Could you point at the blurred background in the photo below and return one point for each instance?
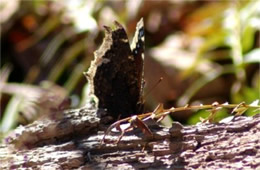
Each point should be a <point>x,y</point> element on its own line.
<point>206,51</point>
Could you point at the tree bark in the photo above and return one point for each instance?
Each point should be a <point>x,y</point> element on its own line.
<point>74,141</point>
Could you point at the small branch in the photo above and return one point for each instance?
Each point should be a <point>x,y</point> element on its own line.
<point>159,113</point>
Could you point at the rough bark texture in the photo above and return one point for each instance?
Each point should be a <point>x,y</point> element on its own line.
<point>73,141</point>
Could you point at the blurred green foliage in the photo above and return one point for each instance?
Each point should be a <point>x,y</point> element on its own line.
<point>51,43</point>
<point>205,114</point>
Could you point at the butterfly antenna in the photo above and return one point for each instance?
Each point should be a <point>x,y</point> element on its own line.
<point>152,88</point>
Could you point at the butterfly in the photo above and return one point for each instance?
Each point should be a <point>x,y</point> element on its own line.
<point>116,75</point>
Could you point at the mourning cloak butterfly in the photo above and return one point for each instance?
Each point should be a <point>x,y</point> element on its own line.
<point>116,74</point>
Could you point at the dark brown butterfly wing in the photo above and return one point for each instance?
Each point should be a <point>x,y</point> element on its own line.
<point>116,74</point>
<point>137,47</point>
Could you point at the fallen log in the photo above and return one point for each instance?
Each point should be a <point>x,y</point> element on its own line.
<point>74,141</point>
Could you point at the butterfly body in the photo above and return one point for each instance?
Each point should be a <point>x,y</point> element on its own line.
<point>116,74</point>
